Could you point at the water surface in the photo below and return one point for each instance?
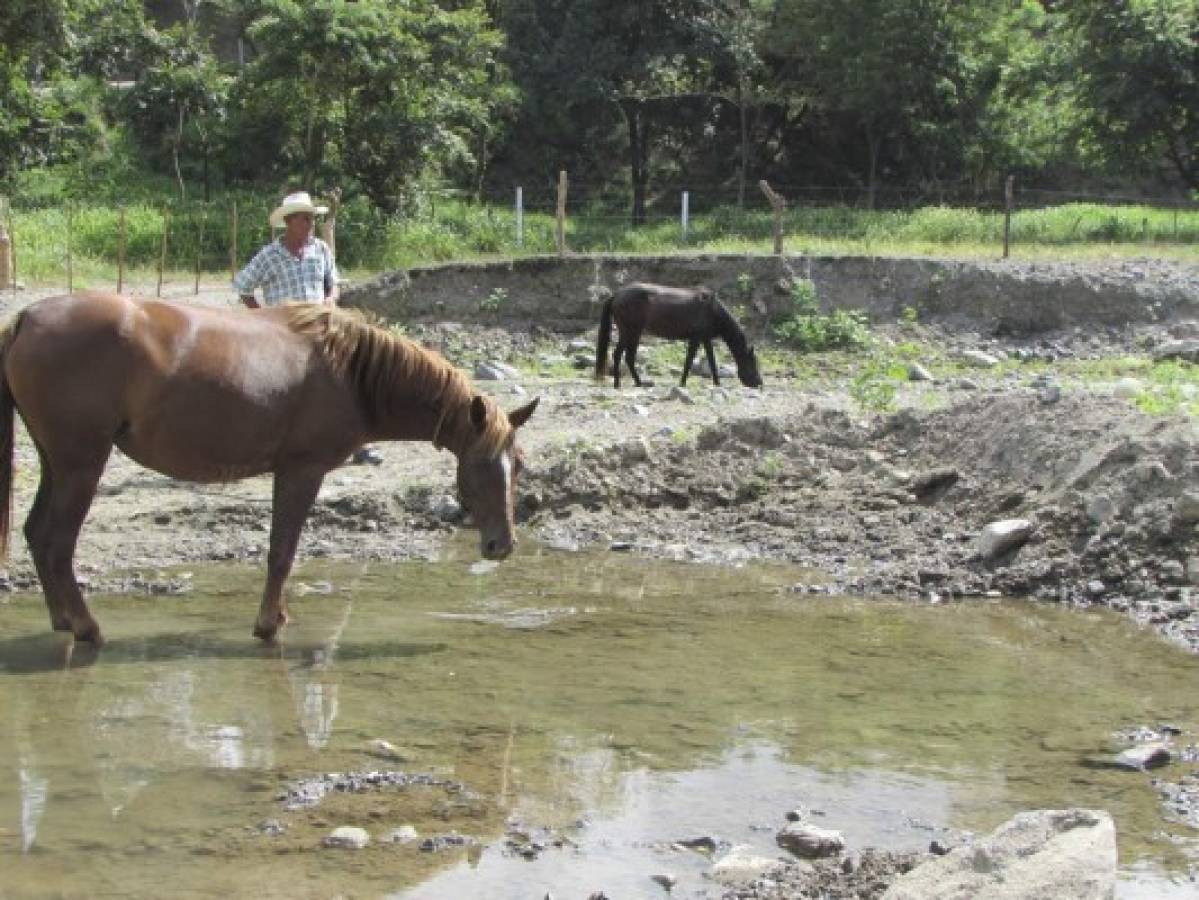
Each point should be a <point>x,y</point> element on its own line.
<point>612,703</point>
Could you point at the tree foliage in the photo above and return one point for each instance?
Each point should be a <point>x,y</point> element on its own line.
<point>936,97</point>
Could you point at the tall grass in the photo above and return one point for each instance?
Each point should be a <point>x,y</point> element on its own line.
<point>369,240</point>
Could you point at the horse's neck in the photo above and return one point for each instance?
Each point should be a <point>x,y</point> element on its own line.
<point>729,330</point>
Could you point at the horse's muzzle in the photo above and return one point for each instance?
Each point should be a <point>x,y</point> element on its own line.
<point>497,548</point>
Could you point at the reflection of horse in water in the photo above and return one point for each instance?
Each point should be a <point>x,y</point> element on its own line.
<point>691,314</point>
<point>208,394</point>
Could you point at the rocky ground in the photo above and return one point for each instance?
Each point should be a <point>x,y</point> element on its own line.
<point>1024,473</point>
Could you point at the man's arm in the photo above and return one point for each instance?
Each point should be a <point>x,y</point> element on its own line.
<point>249,278</point>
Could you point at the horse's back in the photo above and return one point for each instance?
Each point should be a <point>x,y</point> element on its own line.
<point>668,312</point>
<point>196,392</point>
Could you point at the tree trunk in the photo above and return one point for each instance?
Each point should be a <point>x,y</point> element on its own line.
<point>743,170</point>
<point>634,114</point>
<point>873,143</point>
<point>176,145</point>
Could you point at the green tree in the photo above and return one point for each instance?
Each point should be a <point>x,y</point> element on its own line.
<point>391,92</point>
<point>1138,67</point>
<point>885,73</point>
<point>178,101</point>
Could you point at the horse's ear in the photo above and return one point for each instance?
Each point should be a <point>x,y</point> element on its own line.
<point>521,415</point>
<point>478,412</point>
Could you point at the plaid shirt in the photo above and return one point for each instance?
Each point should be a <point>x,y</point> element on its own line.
<point>282,277</point>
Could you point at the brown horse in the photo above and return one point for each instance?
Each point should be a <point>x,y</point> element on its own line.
<point>690,314</point>
<point>207,395</point>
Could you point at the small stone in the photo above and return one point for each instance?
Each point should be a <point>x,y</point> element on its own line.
<point>979,359</point>
<point>1186,508</point>
<point>405,834</point>
<point>1127,388</point>
<point>810,841</point>
<point>998,538</point>
<point>1146,756</point>
<point>680,393</point>
<point>665,879</point>
<point>348,837</point>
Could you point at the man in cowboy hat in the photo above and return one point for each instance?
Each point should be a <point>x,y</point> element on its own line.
<point>297,266</point>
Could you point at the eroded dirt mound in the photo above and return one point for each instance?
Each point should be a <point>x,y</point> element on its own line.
<point>897,505</point>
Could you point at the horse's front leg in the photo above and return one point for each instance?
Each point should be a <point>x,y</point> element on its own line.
<point>712,362</point>
<point>692,349</point>
<point>294,493</point>
<point>53,533</point>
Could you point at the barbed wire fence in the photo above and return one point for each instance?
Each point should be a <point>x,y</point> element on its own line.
<point>170,242</point>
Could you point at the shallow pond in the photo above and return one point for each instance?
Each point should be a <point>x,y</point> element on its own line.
<point>603,705</point>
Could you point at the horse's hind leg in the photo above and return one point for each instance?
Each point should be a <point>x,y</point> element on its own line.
<point>293,493</point>
<point>692,349</point>
<point>68,501</point>
<point>616,354</point>
<point>630,356</point>
<point>712,362</point>
<point>36,536</point>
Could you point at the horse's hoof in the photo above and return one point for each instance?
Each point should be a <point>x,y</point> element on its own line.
<point>266,634</point>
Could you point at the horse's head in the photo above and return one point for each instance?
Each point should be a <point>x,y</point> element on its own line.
<point>487,478</point>
<point>747,368</point>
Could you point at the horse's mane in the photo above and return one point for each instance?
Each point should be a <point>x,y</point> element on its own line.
<point>390,372</point>
<point>728,329</point>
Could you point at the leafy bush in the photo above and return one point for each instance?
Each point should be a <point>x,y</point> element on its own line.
<point>806,328</point>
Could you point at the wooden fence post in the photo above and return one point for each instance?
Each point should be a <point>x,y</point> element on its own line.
<point>200,247</point>
<point>70,272</point>
<point>233,242</point>
<point>162,256</point>
<point>562,213</point>
<point>6,244</point>
<point>329,226</point>
<point>778,204</point>
<point>121,239</point>
<point>12,249</point>
<point>520,217</point>
<point>685,213</point>
<point>1007,213</point>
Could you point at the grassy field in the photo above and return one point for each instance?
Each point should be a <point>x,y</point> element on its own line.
<point>369,242</point>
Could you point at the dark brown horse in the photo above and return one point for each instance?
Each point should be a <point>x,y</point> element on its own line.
<point>693,315</point>
<point>208,395</point>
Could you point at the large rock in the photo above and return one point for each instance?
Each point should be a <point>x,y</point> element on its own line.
<point>1048,854</point>
<point>998,538</point>
<point>810,841</point>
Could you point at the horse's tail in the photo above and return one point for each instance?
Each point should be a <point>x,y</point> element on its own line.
<point>604,339</point>
<point>7,333</point>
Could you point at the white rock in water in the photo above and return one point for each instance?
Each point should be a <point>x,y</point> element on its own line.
<point>1049,853</point>
<point>348,837</point>
<point>809,841</point>
<point>999,537</point>
<point>741,864</point>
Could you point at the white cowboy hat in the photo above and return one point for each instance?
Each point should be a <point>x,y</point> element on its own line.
<point>294,203</point>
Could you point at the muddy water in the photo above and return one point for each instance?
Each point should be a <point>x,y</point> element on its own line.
<point>604,705</point>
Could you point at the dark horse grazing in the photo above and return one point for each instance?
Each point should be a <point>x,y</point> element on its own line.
<point>208,395</point>
<point>690,314</point>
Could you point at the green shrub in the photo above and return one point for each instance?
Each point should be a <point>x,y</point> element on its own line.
<point>806,328</point>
